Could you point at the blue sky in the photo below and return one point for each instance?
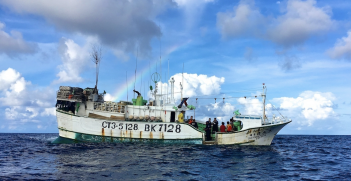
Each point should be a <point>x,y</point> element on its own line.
<point>300,49</point>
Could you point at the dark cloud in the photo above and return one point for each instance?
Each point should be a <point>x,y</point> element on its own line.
<point>299,21</point>
<point>13,44</point>
<point>249,54</point>
<point>122,25</point>
<point>290,63</point>
<point>342,48</point>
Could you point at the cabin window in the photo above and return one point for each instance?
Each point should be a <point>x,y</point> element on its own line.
<point>172,117</point>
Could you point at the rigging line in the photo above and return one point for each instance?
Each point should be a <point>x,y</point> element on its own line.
<point>223,97</point>
<point>170,93</point>
<point>249,103</point>
<point>211,95</point>
<point>243,91</point>
<point>127,85</point>
<point>276,110</point>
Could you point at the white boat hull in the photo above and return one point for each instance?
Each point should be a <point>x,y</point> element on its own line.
<point>99,130</point>
<point>263,135</point>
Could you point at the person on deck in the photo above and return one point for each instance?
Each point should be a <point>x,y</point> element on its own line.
<point>190,120</point>
<point>222,128</point>
<point>229,127</point>
<point>231,122</point>
<point>215,126</point>
<point>208,131</point>
<point>181,117</point>
<point>194,123</point>
<point>210,123</point>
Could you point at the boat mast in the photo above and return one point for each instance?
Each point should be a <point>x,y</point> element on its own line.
<point>264,103</point>
<point>172,89</point>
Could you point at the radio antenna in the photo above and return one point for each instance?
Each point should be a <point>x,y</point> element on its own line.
<point>160,65</point>
<point>127,85</point>
<point>97,56</point>
<point>167,80</point>
<point>136,66</point>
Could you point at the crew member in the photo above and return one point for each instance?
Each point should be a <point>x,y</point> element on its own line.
<point>229,127</point>
<point>194,123</point>
<point>181,117</point>
<point>209,121</point>
<point>208,130</point>
<point>190,120</point>
<point>222,128</point>
<point>215,126</point>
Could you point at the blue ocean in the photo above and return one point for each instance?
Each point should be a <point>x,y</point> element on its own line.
<point>33,156</point>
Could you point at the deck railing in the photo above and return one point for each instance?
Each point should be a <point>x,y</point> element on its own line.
<point>110,107</point>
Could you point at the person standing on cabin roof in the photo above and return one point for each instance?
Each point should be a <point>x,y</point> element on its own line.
<point>181,117</point>
<point>190,120</point>
<point>229,127</point>
<point>194,123</point>
<point>215,126</point>
<point>222,128</point>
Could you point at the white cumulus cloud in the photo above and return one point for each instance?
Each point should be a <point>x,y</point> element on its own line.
<point>309,107</point>
<point>194,84</point>
<point>22,102</point>
<point>108,97</point>
<point>75,59</point>
<point>251,106</point>
<point>8,78</point>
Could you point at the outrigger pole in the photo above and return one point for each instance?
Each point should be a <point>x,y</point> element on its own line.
<point>181,85</point>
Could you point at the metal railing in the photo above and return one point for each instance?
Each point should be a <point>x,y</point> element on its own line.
<point>274,120</point>
<point>110,107</point>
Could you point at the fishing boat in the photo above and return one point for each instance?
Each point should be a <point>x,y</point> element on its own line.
<point>83,115</point>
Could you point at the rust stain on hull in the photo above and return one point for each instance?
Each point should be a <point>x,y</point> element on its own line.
<point>111,136</point>
<point>103,134</point>
<point>140,134</point>
<point>151,136</point>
